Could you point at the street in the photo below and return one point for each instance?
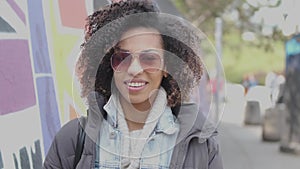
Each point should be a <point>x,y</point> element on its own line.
<point>242,146</point>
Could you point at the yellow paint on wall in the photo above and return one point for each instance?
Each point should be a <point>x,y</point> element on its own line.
<point>62,45</point>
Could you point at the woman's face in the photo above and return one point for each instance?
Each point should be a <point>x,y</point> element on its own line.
<point>138,66</point>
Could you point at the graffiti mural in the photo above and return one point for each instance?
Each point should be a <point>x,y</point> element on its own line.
<point>39,45</point>
<point>24,161</point>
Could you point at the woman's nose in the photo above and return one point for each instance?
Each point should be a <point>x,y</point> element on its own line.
<point>135,67</point>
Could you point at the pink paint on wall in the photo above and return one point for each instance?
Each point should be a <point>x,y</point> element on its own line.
<point>17,9</point>
<point>16,79</point>
<point>73,13</point>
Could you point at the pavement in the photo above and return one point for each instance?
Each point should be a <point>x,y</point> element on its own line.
<point>242,146</point>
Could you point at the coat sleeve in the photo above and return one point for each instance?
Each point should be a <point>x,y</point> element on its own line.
<point>200,155</point>
<point>62,151</point>
<point>214,156</point>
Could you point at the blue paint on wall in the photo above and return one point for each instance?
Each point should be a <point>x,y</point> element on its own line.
<point>38,37</point>
<point>48,110</point>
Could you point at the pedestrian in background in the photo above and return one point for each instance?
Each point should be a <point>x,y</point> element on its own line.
<point>136,79</point>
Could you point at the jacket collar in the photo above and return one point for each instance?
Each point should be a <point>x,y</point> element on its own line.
<point>193,123</point>
<point>95,115</point>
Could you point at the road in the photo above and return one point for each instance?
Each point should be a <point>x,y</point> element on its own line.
<point>242,146</point>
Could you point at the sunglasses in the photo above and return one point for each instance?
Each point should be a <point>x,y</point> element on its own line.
<point>150,60</point>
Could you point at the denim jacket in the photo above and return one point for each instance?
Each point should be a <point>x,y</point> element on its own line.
<point>156,153</point>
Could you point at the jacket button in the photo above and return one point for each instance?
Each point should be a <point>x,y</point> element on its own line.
<point>112,135</point>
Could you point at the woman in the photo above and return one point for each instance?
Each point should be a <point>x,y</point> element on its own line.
<point>136,72</point>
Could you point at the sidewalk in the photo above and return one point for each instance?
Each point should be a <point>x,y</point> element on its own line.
<point>242,148</point>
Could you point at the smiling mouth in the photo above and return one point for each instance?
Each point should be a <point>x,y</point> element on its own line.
<point>135,84</point>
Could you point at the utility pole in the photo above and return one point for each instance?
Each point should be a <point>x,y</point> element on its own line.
<point>218,41</point>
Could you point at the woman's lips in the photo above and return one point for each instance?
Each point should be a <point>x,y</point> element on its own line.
<point>135,86</point>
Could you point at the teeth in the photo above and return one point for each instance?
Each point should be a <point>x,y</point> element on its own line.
<point>136,84</point>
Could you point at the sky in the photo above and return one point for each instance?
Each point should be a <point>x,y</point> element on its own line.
<point>285,16</point>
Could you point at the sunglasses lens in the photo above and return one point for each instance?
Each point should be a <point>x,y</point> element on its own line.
<point>150,62</point>
<point>120,61</point>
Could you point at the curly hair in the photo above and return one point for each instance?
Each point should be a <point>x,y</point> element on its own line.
<point>103,31</point>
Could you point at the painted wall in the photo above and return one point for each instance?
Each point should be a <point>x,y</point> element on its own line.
<point>39,44</point>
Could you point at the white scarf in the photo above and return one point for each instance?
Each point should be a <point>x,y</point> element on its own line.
<point>131,159</point>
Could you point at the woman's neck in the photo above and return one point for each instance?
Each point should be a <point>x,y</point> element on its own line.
<point>136,114</point>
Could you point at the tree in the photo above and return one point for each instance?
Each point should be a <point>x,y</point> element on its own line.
<point>246,46</point>
<point>237,15</point>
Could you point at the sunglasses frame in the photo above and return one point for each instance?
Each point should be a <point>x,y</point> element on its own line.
<point>137,54</point>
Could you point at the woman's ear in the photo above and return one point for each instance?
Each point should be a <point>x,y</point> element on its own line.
<point>165,74</point>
